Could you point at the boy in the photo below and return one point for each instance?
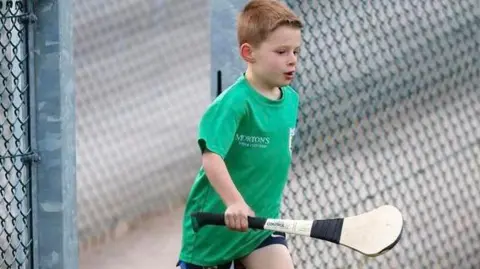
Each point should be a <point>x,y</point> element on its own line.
<point>245,137</point>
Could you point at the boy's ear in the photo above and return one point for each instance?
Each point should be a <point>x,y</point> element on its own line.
<point>247,53</point>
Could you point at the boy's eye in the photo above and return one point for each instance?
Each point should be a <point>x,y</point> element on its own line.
<point>295,52</point>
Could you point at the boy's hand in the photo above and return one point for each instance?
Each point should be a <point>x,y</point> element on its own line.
<point>236,216</point>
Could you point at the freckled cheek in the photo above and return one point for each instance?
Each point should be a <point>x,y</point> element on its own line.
<point>265,65</point>
<point>274,64</point>
<point>270,64</point>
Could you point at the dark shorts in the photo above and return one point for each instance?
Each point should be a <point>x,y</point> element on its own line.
<point>276,238</point>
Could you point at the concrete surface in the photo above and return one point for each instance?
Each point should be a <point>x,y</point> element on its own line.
<point>153,244</point>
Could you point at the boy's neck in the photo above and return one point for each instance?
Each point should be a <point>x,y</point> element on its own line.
<point>258,85</point>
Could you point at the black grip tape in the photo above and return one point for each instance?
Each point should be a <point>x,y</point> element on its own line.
<point>329,230</point>
<point>201,219</point>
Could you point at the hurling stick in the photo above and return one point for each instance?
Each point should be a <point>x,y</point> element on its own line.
<point>371,233</point>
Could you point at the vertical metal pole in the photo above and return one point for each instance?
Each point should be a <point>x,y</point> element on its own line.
<point>225,59</point>
<point>53,185</point>
<point>32,112</point>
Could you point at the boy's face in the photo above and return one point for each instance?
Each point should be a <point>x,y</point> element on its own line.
<point>274,60</point>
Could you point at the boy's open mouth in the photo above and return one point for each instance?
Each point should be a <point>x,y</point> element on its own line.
<point>289,75</point>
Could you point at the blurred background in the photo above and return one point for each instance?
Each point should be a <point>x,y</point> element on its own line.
<point>142,82</point>
<point>390,114</point>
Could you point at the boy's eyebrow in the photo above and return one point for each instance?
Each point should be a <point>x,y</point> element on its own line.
<point>287,47</point>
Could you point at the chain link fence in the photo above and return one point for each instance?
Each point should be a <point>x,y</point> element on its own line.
<point>390,114</point>
<point>142,82</point>
<point>15,210</point>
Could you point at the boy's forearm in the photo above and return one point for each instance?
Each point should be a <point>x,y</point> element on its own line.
<point>220,179</point>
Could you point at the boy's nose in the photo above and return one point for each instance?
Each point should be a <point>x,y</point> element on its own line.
<point>292,59</point>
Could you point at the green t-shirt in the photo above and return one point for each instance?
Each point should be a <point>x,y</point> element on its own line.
<point>253,134</point>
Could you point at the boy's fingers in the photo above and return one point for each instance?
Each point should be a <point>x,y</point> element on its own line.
<point>244,223</point>
<point>238,220</point>
<point>234,222</point>
<point>237,223</point>
<point>230,221</point>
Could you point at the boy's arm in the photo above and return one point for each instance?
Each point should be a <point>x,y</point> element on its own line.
<point>220,179</point>
<point>217,130</point>
<point>236,215</point>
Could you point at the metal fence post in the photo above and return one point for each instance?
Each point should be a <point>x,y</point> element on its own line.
<point>226,64</point>
<point>53,184</point>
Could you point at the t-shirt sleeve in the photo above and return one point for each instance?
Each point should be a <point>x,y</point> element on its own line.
<point>219,124</point>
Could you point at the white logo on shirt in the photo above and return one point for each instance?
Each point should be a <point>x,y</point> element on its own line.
<point>290,139</point>
<point>252,141</point>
